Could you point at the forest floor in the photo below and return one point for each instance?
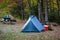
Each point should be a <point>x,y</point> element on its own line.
<point>13,32</point>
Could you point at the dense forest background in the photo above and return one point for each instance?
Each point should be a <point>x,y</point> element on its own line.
<point>45,10</point>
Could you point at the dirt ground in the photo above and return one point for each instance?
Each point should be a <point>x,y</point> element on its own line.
<point>16,28</point>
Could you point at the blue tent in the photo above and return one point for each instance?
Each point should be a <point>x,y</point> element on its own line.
<point>6,16</point>
<point>32,25</point>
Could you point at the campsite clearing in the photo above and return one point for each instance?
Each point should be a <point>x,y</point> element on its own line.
<point>13,32</point>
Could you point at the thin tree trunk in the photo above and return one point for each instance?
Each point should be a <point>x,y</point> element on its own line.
<point>30,12</point>
<point>58,7</point>
<point>42,12</point>
<point>20,3</point>
<point>39,9</point>
<point>22,9</point>
<point>46,12</point>
<point>50,6</point>
<point>53,5</point>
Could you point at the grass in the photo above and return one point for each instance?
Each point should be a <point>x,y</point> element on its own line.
<point>27,36</point>
<point>13,32</point>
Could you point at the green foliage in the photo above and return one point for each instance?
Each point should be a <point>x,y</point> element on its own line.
<point>35,10</point>
<point>15,9</point>
<point>4,4</point>
<point>53,17</point>
<point>26,15</point>
<point>7,36</point>
<point>58,20</point>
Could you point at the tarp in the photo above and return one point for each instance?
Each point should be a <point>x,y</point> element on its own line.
<point>32,25</point>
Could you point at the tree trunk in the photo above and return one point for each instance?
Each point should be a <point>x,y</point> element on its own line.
<point>42,12</point>
<point>22,9</point>
<point>30,12</point>
<point>50,6</point>
<point>20,3</point>
<point>39,9</point>
<point>58,7</point>
<point>46,12</point>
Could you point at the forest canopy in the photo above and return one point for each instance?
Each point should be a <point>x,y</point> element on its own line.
<point>43,9</point>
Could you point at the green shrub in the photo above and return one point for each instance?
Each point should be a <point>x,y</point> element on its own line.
<point>58,20</point>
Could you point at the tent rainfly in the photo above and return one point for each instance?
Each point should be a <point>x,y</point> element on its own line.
<point>32,25</point>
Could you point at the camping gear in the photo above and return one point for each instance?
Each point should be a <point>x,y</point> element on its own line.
<point>11,17</point>
<point>6,16</point>
<point>46,27</point>
<point>8,19</point>
<point>32,25</point>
